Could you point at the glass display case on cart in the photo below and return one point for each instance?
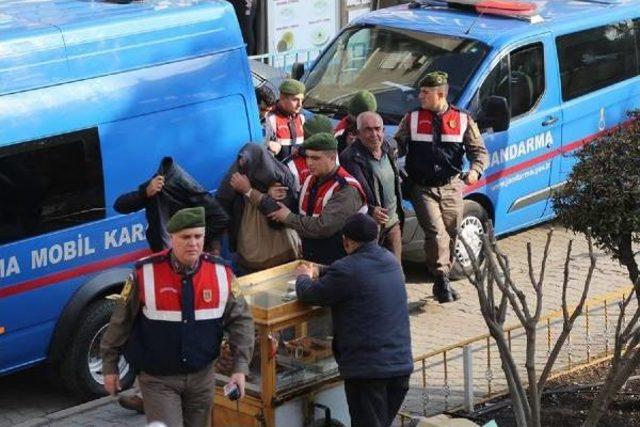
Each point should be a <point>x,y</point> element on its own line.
<point>293,366</point>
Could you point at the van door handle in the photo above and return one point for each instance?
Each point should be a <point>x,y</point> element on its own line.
<point>549,121</point>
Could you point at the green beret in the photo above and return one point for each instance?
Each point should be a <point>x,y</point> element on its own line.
<point>322,141</point>
<point>186,218</point>
<point>317,124</point>
<point>435,78</point>
<point>361,102</point>
<point>291,87</point>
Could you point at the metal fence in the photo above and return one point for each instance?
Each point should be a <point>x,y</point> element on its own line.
<point>284,61</point>
<point>466,373</point>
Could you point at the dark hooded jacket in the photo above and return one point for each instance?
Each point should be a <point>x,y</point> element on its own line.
<point>263,170</point>
<point>180,191</point>
<point>355,159</point>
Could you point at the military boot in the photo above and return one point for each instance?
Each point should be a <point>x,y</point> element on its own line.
<point>442,290</point>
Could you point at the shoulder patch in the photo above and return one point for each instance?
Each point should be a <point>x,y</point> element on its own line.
<point>126,290</point>
<point>235,288</point>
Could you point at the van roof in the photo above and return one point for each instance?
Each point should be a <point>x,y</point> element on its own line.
<point>559,16</point>
<point>46,42</point>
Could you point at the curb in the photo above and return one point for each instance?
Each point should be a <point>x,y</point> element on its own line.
<point>69,412</point>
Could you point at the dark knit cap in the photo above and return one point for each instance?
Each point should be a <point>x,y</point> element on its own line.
<point>186,218</point>
<point>435,78</point>
<point>317,124</point>
<point>361,102</point>
<point>361,228</point>
<point>291,87</point>
<point>322,141</point>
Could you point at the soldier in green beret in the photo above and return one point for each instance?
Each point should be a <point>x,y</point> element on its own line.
<point>189,298</point>
<point>435,138</point>
<point>317,124</point>
<point>329,195</point>
<point>346,130</point>
<point>284,124</point>
<point>297,163</point>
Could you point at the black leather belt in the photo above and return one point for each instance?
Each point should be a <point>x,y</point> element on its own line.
<point>436,182</point>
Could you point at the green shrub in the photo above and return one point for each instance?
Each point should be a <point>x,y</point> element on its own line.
<point>603,192</point>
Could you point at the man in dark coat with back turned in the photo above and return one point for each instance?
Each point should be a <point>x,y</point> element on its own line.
<point>372,341</point>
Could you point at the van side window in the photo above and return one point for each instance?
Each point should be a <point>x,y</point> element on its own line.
<point>50,184</point>
<point>518,77</point>
<point>596,58</point>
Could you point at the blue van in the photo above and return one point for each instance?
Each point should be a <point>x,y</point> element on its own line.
<point>540,88</point>
<point>93,94</point>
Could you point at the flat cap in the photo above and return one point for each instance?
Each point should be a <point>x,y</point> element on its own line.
<point>435,78</point>
<point>361,102</point>
<point>361,228</point>
<point>186,218</point>
<point>317,124</point>
<point>322,141</point>
<point>291,87</point>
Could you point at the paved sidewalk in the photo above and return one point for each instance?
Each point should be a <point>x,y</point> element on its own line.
<point>438,326</point>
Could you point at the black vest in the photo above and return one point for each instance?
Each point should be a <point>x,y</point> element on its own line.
<point>435,149</point>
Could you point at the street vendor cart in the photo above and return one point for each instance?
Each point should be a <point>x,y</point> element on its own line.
<point>293,377</point>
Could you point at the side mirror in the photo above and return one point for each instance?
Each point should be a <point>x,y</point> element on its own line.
<point>495,114</point>
<point>297,70</point>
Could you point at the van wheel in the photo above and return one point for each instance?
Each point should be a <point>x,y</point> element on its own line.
<point>472,228</point>
<point>82,365</point>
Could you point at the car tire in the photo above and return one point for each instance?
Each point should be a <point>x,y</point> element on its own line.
<point>82,365</point>
<point>472,227</point>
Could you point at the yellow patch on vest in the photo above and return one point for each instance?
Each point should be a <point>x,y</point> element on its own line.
<point>235,288</point>
<point>126,290</point>
<point>453,124</point>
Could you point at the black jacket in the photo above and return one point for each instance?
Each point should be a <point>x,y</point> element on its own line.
<point>355,159</point>
<point>368,299</point>
<point>263,170</point>
<point>180,191</point>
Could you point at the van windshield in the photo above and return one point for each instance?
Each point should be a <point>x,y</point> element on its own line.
<point>388,62</point>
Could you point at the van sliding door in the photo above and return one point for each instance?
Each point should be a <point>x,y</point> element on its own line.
<point>599,75</point>
<point>519,173</point>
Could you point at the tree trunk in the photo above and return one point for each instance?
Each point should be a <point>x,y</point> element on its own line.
<point>628,259</point>
<point>614,381</point>
<point>534,396</point>
<point>521,409</point>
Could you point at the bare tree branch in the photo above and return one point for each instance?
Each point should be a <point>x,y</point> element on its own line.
<point>568,320</point>
<point>495,277</point>
<point>545,256</point>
